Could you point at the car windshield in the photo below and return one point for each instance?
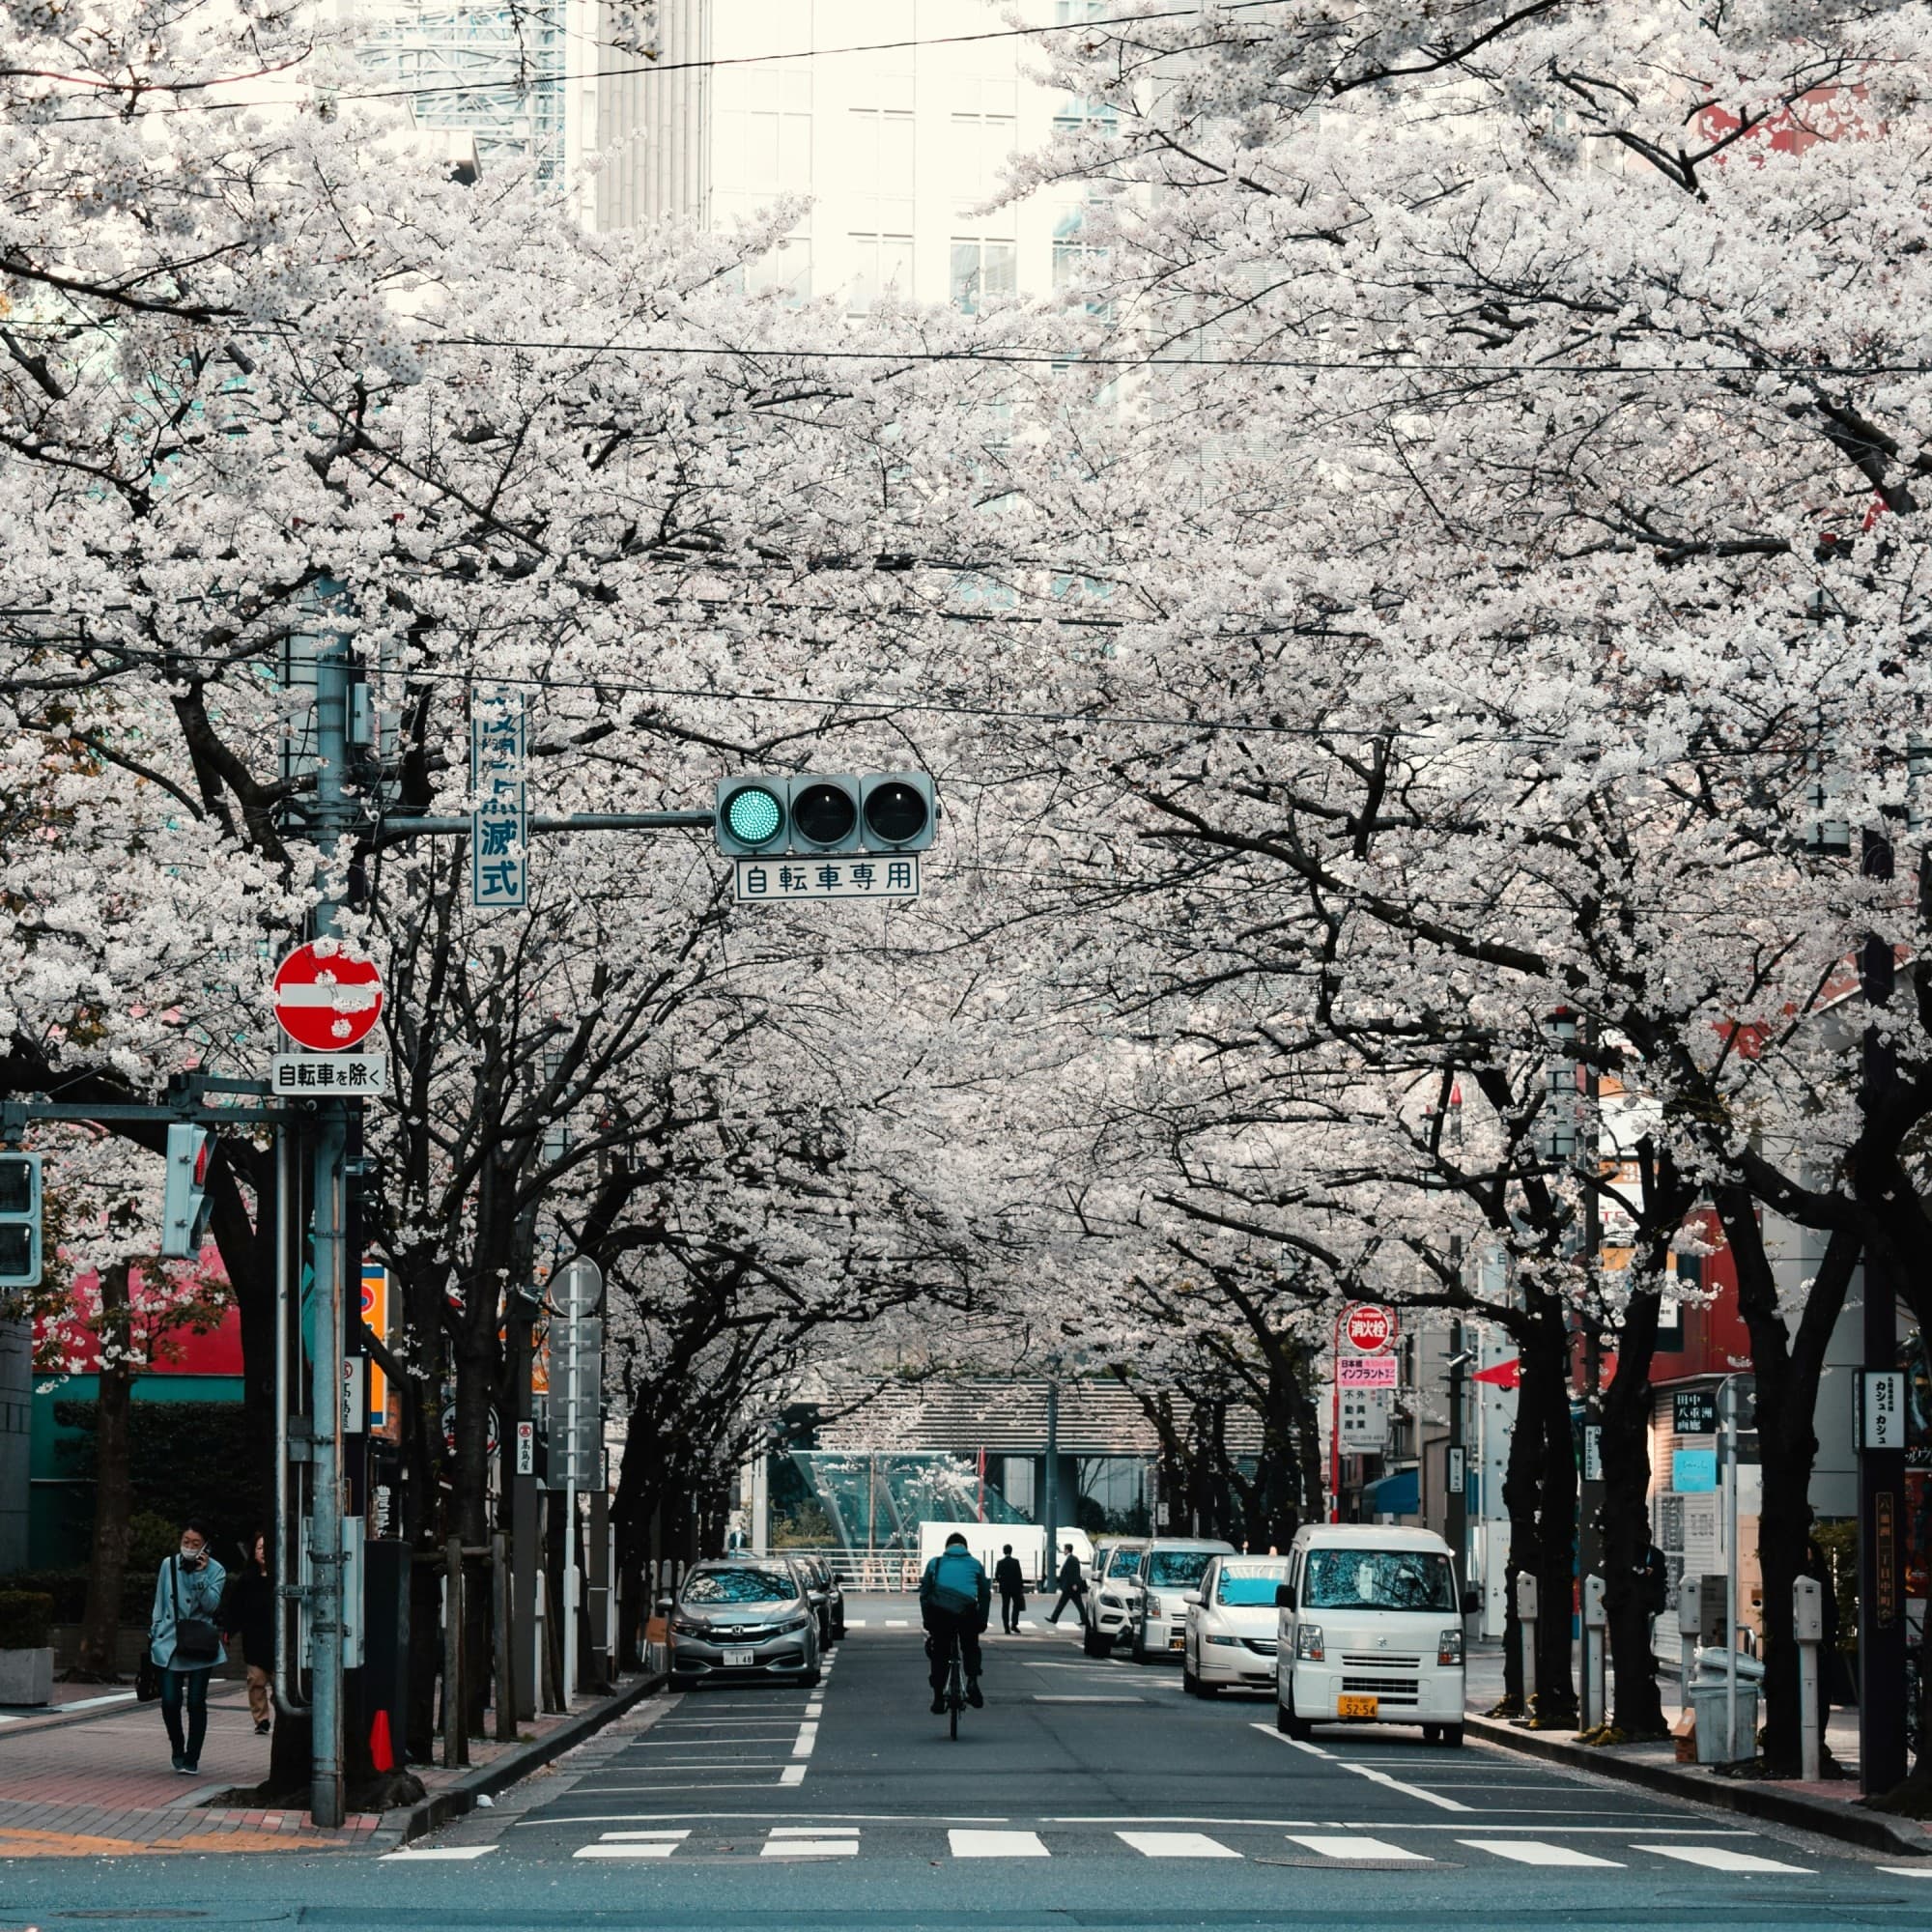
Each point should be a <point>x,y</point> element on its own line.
<point>1249,1585</point>
<point>1170,1567</point>
<point>1123,1562</point>
<point>739,1586</point>
<point>1378,1580</point>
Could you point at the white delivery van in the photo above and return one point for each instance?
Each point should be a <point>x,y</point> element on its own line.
<point>1369,1630</point>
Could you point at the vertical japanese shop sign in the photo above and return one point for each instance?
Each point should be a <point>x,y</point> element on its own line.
<point>499,826</point>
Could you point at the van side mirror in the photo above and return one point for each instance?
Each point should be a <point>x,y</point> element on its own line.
<point>1284,1596</point>
<point>1473,1602</point>
<point>1191,1597</point>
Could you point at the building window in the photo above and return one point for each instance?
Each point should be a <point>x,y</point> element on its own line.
<point>979,146</point>
<point>981,271</point>
<point>881,263</point>
<point>882,164</point>
<point>763,145</point>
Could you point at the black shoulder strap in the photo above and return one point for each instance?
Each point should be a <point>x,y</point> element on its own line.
<point>175,1575</point>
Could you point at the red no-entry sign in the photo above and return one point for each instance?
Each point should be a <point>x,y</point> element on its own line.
<point>325,1000</point>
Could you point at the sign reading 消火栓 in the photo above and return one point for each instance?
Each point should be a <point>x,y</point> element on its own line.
<point>761,881</point>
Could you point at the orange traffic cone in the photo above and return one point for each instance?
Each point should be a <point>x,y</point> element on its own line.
<point>381,1753</point>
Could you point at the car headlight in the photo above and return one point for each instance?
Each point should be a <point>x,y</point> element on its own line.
<point>790,1624</point>
<point>684,1627</point>
<point>1112,1602</point>
<point>1308,1643</point>
<point>1449,1646</point>
<point>1153,1606</point>
<point>1224,1639</point>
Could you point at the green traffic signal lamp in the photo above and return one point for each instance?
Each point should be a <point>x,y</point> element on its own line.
<point>751,815</point>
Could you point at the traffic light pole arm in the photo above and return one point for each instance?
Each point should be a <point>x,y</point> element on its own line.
<point>20,1111</point>
<point>399,828</point>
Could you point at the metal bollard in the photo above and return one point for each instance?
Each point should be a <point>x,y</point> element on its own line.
<point>1525,1613</point>
<point>1690,1626</point>
<point>1807,1626</point>
<point>1596,1631</point>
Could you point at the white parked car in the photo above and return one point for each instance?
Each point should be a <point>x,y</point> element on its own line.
<point>1369,1630</point>
<point>1113,1596</point>
<point>1231,1625</point>
<point>1170,1566</point>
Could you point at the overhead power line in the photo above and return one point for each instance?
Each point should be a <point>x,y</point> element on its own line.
<point>525,78</point>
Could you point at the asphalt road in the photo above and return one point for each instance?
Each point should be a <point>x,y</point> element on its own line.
<point>1086,1794</point>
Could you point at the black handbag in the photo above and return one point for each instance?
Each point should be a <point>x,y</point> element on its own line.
<point>146,1678</point>
<point>197,1642</point>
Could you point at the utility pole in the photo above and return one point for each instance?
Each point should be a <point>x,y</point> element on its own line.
<point>1882,1626</point>
<point>331,820</point>
<point>1051,1487</point>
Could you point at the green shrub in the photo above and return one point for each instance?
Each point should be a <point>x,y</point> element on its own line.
<point>25,1617</point>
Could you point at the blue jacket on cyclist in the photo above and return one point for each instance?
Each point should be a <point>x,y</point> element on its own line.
<point>954,1601</point>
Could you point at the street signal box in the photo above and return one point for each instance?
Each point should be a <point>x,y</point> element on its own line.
<point>20,1220</point>
<point>185,1204</point>
<point>761,815</point>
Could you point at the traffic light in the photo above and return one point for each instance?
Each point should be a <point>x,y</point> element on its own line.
<point>826,811</point>
<point>899,811</point>
<point>20,1220</point>
<point>185,1204</point>
<point>754,815</point>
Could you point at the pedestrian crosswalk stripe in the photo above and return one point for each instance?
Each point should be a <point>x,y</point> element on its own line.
<point>1328,1847</point>
<point>411,1855</point>
<point>660,1844</point>
<point>1533,1852</point>
<point>1721,1857</point>
<point>1905,1871</point>
<point>1177,1845</point>
<point>811,1841</point>
<point>980,1844</point>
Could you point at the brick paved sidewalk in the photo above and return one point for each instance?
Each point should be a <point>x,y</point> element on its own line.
<point>97,1781</point>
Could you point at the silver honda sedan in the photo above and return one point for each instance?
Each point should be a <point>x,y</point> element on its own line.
<point>742,1617</point>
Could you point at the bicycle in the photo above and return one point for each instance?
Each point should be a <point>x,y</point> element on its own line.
<point>955,1691</point>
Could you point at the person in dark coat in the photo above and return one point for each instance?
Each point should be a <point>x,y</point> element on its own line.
<point>248,1618</point>
<point>1072,1589</point>
<point>1011,1580</point>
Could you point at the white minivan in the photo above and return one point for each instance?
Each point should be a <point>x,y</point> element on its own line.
<point>1369,1630</point>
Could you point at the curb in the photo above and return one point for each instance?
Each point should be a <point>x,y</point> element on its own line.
<point>1871,1830</point>
<point>454,1801</point>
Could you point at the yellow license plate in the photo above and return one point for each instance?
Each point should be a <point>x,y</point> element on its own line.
<point>1355,1707</point>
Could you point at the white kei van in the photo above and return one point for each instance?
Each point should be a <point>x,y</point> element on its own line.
<point>1369,1630</point>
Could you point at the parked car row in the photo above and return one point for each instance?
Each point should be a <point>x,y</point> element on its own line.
<point>745,1616</point>
<point>1356,1624</point>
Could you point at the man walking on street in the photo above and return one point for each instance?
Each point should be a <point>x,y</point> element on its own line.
<point>1011,1580</point>
<point>1072,1589</point>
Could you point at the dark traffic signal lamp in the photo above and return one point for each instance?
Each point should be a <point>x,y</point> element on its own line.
<point>20,1220</point>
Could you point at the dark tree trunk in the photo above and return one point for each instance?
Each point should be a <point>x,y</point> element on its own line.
<point>1626,1452</point>
<point>1544,1404</point>
<point>1789,1367</point>
<point>113,1485</point>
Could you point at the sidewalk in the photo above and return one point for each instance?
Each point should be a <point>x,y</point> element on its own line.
<point>1829,1806</point>
<point>91,1779</point>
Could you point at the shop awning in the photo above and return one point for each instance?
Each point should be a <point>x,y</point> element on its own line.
<point>1399,1494</point>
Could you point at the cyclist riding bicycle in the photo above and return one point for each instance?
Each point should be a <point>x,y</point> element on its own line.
<point>955,1600</point>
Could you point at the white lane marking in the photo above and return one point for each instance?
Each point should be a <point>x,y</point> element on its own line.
<point>1533,1852</point>
<point>855,1623</point>
<point>1300,1744</point>
<point>660,1849</point>
<point>811,1841</point>
<point>792,1774</point>
<point>1028,1624</point>
<point>641,1837</point>
<point>996,1844</point>
<point>1383,1777</point>
<point>1042,1698</point>
<point>899,1623</point>
<point>1177,1845</point>
<point>410,1855</point>
<point>550,1820</point>
<point>1721,1858</point>
<point>814,1710</point>
<point>807,1736</point>
<point>1345,1849</point>
<point>1905,1871</point>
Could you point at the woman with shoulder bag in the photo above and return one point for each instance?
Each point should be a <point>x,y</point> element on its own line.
<point>184,1642</point>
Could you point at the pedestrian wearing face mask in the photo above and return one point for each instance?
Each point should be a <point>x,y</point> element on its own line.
<point>184,1641</point>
